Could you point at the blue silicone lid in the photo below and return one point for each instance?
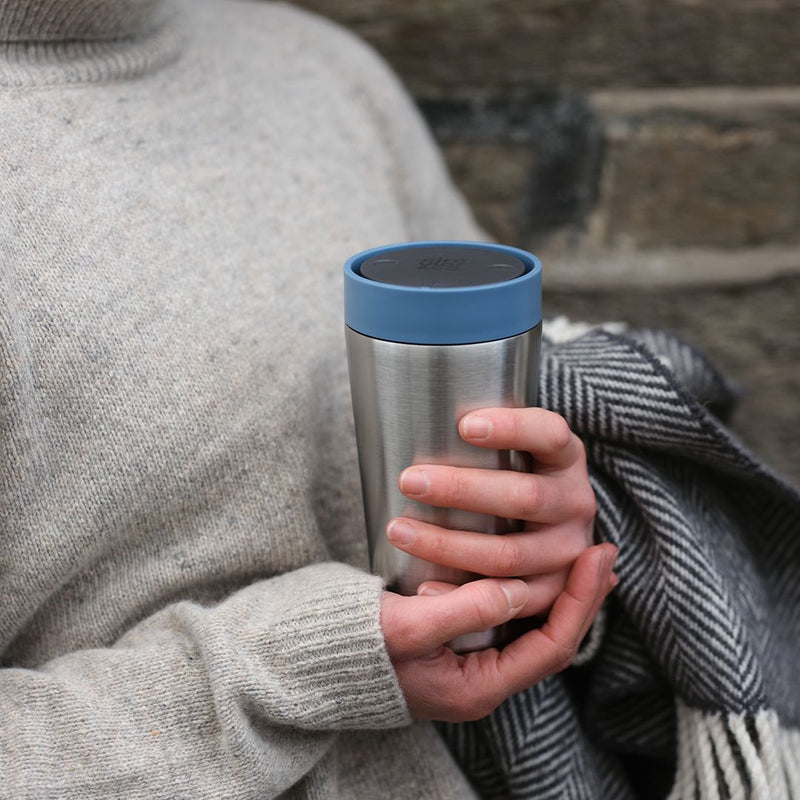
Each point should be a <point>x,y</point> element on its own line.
<point>443,314</point>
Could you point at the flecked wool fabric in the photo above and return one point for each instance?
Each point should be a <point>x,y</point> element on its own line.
<point>184,609</point>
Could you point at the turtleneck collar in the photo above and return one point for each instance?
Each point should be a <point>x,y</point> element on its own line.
<point>51,42</point>
<point>77,20</point>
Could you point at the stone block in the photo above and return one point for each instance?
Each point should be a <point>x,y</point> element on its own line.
<point>527,162</point>
<point>445,46</point>
<point>613,188</point>
<point>699,168</point>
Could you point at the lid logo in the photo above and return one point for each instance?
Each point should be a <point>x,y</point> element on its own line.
<point>441,263</point>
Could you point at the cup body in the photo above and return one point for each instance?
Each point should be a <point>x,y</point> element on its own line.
<point>420,358</point>
<point>407,401</point>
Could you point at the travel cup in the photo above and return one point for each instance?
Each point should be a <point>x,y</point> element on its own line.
<point>435,330</point>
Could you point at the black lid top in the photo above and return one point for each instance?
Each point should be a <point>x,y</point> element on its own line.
<point>442,266</point>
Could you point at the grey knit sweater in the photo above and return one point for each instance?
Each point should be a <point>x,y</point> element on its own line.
<point>183,607</point>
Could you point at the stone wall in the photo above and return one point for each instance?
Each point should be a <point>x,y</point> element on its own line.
<point>648,151</point>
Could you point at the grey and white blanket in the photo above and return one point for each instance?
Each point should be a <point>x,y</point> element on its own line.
<point>693,692</point>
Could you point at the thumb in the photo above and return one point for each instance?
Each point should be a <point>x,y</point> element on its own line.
<point>431,588</point>
<point>415,626</point>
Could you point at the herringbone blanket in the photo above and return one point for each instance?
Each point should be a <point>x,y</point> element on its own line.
<point>693,691</point>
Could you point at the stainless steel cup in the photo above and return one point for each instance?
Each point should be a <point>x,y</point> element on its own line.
<point>435,330</point>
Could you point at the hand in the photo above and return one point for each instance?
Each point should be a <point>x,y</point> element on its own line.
<point>556,503</point>
<point>439,684</point>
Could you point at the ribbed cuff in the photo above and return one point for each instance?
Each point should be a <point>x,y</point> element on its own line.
<point>337,672</point>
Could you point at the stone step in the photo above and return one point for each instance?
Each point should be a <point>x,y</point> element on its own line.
<point>441,46</point>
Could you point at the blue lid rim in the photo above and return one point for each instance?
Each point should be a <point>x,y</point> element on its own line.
<point>452,315</point>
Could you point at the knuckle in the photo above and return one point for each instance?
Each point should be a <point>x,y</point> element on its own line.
<point>573,545</point>
<point>580,539</point>
<point>565,655</point>
<point>528,497</point>
<point>507,557</point>
<point>439,549</point>
<point>580,447</point>
<point>483,605</point>
<point>458,487</point>
<point>585,504</point>
<point>558,432</point>
<point>516,424</point>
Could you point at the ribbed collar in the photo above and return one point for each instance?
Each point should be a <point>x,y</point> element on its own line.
<point>54,42</point>
<point>76,20</point>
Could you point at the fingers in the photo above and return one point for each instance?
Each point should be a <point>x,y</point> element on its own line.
<point>559,490</point>
<point>454,688</point>
<point>542,592</point>
<point>551,648</point>
<point>542,433</point>
<point>417,626</point>
<point>502,493</point>
<point>509,555</point>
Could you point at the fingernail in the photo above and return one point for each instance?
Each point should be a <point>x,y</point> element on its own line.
<point>414,482</point>
<point>400,532</point>
<point>516,593</point>
<point>429,591</point>
<point>477,427</point>
<point>613,580</point>
<point>603,565</point>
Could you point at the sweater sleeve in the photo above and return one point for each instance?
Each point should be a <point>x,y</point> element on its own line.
<point>238,700</point>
